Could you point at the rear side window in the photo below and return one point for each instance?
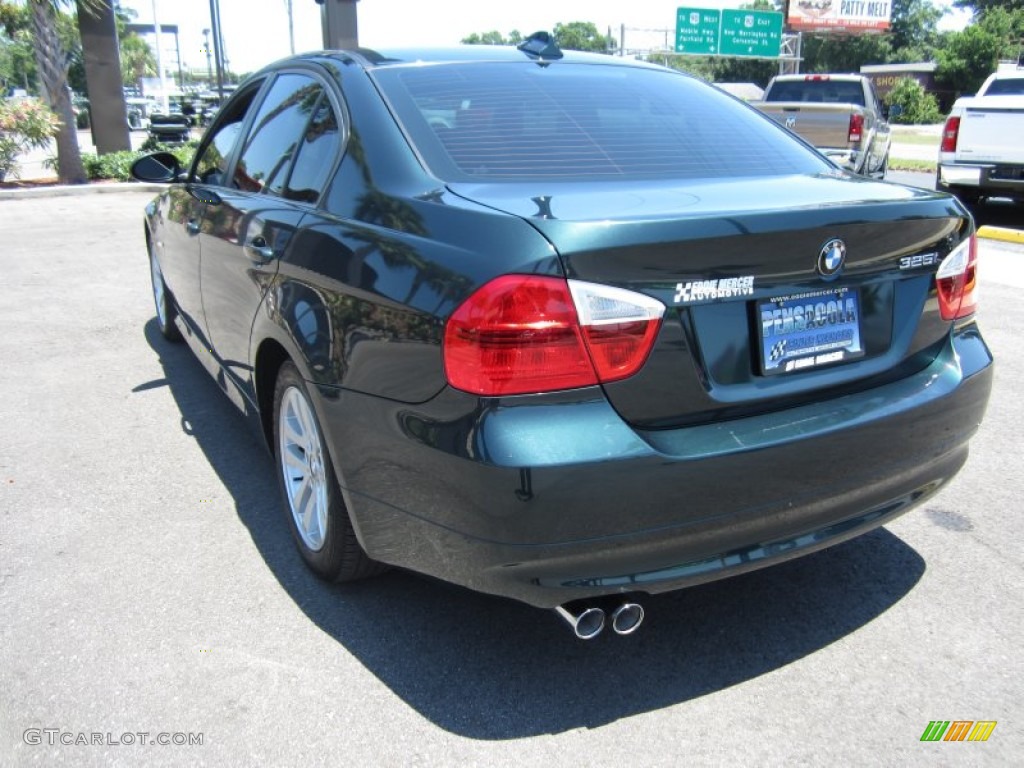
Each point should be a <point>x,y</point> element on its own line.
<point>521,121</point>
<point>278,129</point>
<point>316,154</point>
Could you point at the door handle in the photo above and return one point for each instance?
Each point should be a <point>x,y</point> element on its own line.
<point>259,248</point>
<point>192,226</point>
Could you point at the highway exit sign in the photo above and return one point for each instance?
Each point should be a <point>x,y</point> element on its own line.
<point>710,32</point>
<point>697,31</point>
<point>751,33</point>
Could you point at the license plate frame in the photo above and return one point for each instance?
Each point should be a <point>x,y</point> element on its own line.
<point>807,331</point>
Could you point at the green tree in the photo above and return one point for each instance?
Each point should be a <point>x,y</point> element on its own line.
<point>826,53</point>
<point>914,26</point>
<point>494,37</point>
<point>17,62</point>
<point>137,59</point>
<point>919,106</point>
<point>698,66</point>
<point>981,7</point>
<point>966,58</point>
<point>582,36</point>
<point>17,52</point>
<point>1008,26</point>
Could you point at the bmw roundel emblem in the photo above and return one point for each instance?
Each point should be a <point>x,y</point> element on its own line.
<point>831,258</point>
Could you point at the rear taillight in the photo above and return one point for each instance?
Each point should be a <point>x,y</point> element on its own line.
<point>957,281</point>
<point>856,127</point>
<point>950,132</point>
<point>522,334</point>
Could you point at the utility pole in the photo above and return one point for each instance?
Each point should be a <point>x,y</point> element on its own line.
<point>339,20</point>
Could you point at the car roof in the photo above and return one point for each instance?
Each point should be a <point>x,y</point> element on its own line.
<point>369,58</point>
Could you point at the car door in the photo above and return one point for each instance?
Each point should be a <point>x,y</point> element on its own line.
<point>188,207</point>
<point>253,223</point>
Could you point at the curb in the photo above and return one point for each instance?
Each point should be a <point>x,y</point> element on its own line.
<point>1001,233</point>
<point>79,189</point>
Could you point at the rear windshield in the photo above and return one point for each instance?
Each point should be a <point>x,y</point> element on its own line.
<point>817,91</point>
<point>1010,86</point>
<point>521,121</point>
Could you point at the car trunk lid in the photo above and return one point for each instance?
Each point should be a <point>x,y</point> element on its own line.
<point>735,272</point>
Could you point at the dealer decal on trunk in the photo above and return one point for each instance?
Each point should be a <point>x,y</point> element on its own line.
<point>709,290</point>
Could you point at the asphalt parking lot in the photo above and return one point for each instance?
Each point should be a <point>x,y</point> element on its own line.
<point>148,584</point>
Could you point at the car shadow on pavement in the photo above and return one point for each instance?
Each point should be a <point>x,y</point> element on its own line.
<point>489,668</point>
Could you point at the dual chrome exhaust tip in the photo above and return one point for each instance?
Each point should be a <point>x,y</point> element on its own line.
<point>589,623</point>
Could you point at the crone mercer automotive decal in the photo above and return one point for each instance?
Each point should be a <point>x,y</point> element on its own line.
<point>709,290</point>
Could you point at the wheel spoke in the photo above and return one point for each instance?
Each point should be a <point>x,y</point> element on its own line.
<point>308,428</point>
<point>292,430</point>
<point>294,460</point>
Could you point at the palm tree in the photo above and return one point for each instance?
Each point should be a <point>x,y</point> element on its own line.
<point>52,64</point>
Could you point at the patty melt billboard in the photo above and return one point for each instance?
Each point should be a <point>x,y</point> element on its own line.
<point>853,15</point>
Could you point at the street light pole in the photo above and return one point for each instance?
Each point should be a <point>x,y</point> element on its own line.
<point>291,27</point>
<point>164,100</point>
<point>217,51</point>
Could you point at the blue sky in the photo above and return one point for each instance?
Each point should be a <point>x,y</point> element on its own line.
<point>256,31</point>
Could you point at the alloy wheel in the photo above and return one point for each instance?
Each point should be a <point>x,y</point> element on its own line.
<point>301,458</point>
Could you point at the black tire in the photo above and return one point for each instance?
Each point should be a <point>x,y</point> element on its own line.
<point>166,312</point>
<point>339,557</point>
<point>970,199</point>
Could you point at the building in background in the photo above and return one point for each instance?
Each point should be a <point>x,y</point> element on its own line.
<point>885,77</point>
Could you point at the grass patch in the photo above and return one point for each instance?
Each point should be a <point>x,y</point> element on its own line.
<point>916,138</point>
<point>921,166</point>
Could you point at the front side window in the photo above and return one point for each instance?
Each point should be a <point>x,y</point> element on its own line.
<point>211,164</point>
<point>276,134</point>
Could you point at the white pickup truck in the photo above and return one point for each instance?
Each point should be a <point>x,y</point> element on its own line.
<point>982,150</point>
<point>841,115</point>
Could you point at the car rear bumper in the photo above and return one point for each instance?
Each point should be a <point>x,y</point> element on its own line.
<point>994,179</point>
<point>555,498</point>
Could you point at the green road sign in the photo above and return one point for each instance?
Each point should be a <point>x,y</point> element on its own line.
<point>750,33</point>
<point>697,30</point>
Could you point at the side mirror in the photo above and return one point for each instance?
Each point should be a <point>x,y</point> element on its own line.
<point>156,168</point>
<point>895,110</point>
